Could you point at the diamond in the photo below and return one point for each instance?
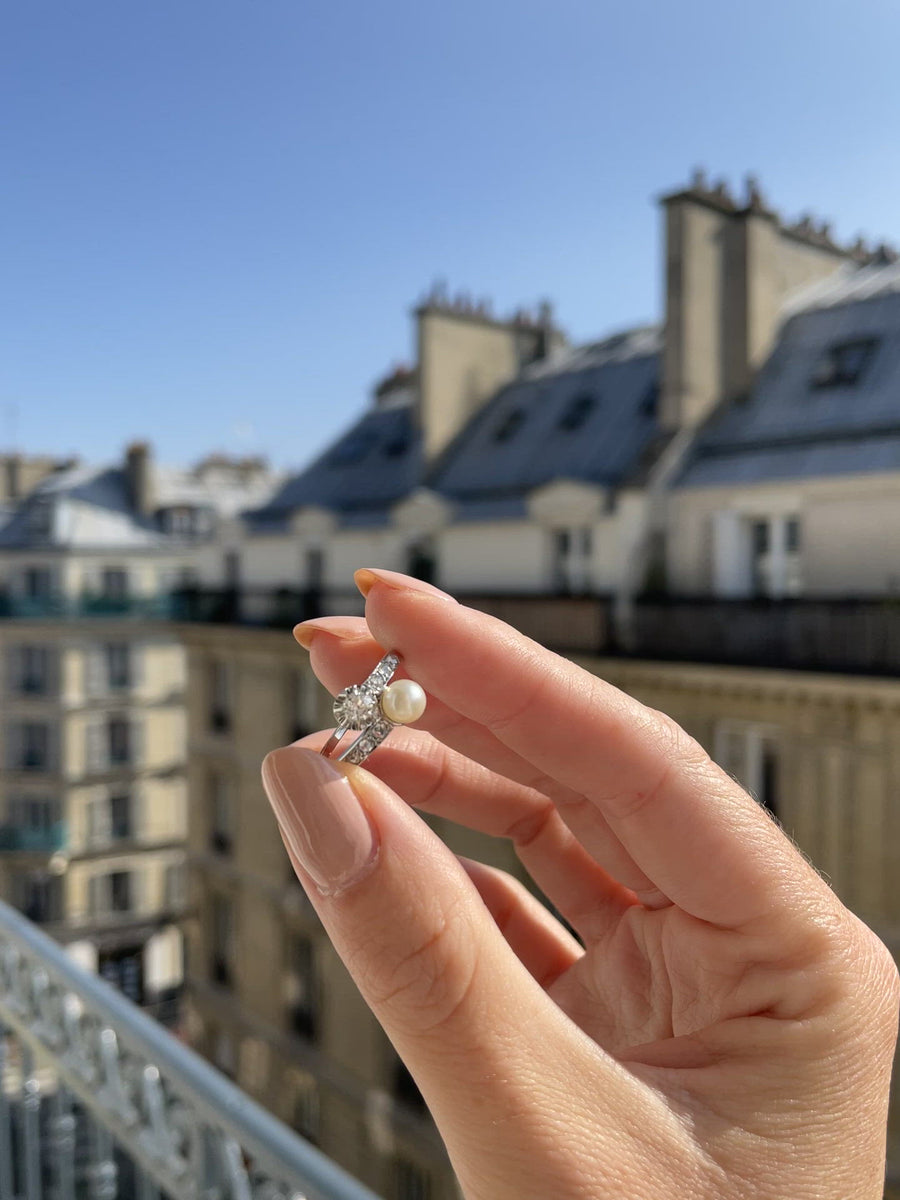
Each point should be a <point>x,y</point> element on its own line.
<point>355,707</point>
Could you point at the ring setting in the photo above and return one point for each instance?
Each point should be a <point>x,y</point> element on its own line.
<point>373,708</point>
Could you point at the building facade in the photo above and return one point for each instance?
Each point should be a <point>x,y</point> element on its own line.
<point>93,795</point>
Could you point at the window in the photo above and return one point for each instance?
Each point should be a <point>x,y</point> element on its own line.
<point>120,891</point>
<point>314,567</point>
<point>844,363</point>
<point>35,746</point>
<point>411,1182</point>
<point>39,518</point>
<point>118,732</point>
<point>36,814</point>
<point>396,446</point>
<point>650,402</point>
<point>37,583</point>
<point>124,969</point>
<point>508,425</point>
<point>219,682</point>
<point>220,814</point>
<point>175,886</point>
<point>35,670</point>
<point>181,520</point>
<point>302,986</point>
<point>577,411</point>
<point>306,1109</point>
<point>39,896</point>
<point>112,893</point>
<point>118,665</point>
<point>231,568</point>
<point>114,584</point>
<point>222,939</point>
<point>121,816</point>
<point>421,560</point>
<point>572,552</point>
<point>792,535</point>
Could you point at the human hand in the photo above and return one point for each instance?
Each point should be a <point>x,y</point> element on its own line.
<point>728,1027</point>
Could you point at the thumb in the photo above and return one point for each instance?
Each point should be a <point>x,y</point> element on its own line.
<point>468,1019</point>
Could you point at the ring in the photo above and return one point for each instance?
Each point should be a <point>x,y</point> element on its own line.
<point>373,707</point>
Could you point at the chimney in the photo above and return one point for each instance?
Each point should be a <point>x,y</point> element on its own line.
<point>465,355</point>
<point>138,477</point>
<point>730,264</point>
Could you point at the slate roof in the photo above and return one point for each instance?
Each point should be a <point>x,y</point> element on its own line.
<point>587,415</point>
<point>369,468</point>
<point>603,391</point>
<point>92,507</point>
<point>790,429</point>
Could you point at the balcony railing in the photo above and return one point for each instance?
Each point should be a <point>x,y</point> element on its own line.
<point>46,840</point>
<point>60,607</point>
<point>561,622</point>
<point>98,1100</point>
<point>856,636</point>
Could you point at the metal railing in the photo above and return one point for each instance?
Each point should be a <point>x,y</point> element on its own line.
<point>61,607</point>
<point>44,840</point>
<point>97,1100</point>
<point>860,636</point>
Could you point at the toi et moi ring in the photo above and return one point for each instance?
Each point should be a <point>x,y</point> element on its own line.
<point>374,707</point>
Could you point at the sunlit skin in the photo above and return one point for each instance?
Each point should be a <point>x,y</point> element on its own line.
<point>726,1028</point>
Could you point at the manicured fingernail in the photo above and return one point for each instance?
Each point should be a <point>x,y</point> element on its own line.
<point>321,819</point>
<point>366,578</point>
<point>337,627</point>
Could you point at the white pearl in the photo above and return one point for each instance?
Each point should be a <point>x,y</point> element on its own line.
<point>403,701</point>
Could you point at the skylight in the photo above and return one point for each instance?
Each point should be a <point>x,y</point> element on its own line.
<point>508,425</point>
<point>577,411</point>
<point>844,363</point>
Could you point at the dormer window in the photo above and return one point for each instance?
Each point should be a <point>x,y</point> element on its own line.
<point>650,402</point>
<point>397,446</point>
<point>577,411</point>
<point>185,520</point>
<point>844,363</point>
<point>40,518</point>
<point>509,425</point>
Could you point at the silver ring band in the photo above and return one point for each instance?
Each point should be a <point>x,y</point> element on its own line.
<point>358,707</point>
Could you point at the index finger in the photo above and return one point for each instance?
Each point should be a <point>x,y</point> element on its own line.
<point>696,834</point>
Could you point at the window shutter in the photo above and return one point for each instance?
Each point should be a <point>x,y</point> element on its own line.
<point>94,895</point>
<point>136,651</point>
<point>94,671</point>
<point>136,739</point>
<point>95,747</point>
<point>14,745</point>
<point>15,668</point>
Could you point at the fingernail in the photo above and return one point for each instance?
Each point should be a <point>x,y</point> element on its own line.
<point>366,578</point>
<point>321,819</point>
<point>335,626</point>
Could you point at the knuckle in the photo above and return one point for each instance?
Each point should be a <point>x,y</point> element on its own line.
<point>424,985</point>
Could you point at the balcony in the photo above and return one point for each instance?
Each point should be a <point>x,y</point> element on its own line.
<point>853,636</point>
<point>46,840</point>
<point>59,607</point>
<point>98,1099</point>
<point>561,622</point>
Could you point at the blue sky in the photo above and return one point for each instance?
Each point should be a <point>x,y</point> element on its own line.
<point>216,215</point>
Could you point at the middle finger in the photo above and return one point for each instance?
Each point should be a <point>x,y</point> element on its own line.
<point>342,650</point>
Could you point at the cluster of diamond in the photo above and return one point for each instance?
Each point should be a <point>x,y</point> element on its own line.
<point>356,707</point>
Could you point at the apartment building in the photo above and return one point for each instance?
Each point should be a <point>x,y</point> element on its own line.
<point>92,734</point>
<point>685,509</point>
